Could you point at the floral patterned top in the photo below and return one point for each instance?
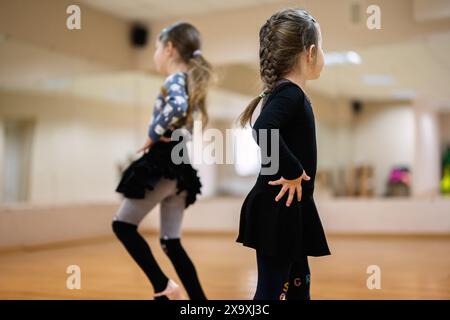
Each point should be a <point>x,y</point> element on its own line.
<point>169,109</point>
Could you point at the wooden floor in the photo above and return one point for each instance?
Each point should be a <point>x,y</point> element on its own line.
<point>411,268</point>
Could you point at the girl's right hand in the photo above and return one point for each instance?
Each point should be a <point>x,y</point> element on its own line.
<point>147,145</point>
<point>292,186</point>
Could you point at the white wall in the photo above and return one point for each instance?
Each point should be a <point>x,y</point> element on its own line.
<point>76,145</point>
<point>35,225</point>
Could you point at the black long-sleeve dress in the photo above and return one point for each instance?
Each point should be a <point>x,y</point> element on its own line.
<point>269,226</point>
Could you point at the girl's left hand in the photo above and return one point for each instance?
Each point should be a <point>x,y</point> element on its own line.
<point>149,143</point>
<point>165,139</point>
<point>292,186</point>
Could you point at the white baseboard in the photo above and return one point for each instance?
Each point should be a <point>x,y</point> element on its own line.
<point>38,224</point>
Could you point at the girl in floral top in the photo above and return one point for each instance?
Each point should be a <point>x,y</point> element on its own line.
<point>154,177</point>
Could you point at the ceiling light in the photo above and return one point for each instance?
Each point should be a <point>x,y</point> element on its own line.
<point>346,57</point>
<point>404,94</point>
<point>378,79</point>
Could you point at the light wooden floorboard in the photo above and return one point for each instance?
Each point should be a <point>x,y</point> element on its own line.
<point>411,268</point>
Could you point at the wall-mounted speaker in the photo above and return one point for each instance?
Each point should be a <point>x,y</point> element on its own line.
<point>357,107</point>
<point>139,35</point>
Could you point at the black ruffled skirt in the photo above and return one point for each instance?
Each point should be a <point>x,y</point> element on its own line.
<point>143,174</point>
<point>277,230</point>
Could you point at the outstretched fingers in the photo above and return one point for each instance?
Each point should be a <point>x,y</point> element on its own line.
<point>281,193</point>
<point>291,195</point>
<point>299,192</point>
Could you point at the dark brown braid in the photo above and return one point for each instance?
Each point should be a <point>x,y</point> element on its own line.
<point>267,61</point>
<point>282,38</point>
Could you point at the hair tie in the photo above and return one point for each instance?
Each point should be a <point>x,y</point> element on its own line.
<point>196,53</point>
<point>262,94</point>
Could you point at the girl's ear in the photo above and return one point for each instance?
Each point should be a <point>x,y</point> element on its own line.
<point>311,54</point>
<point>169,48</point>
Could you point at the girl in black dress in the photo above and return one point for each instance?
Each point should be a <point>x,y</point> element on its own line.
<point>279,217</point>
<point>158,178</point>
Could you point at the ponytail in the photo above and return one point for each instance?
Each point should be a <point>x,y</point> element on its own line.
<point>246,116</point>
<point>199,76</point>
<point>186,39</point>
